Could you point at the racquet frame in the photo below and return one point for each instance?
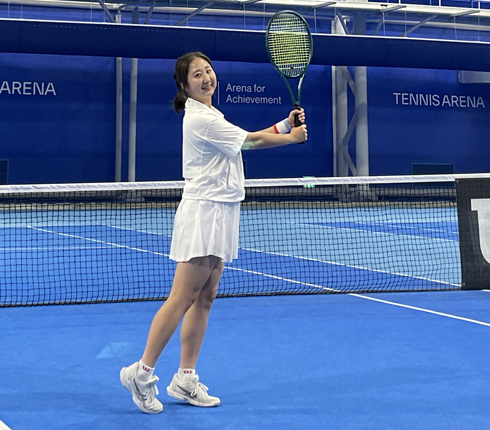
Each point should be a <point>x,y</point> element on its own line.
<point>290,47</point>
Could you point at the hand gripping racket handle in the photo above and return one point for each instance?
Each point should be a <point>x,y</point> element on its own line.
<point>297,122</point>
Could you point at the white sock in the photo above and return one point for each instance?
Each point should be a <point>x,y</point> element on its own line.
<point>185,375</point>
<point>144,372</point>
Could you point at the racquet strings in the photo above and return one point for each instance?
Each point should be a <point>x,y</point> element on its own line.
<point>289,44</point>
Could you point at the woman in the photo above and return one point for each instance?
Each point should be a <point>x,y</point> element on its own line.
<point>205,229</point>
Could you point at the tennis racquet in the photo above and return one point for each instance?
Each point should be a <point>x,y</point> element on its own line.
<point>290,47</point>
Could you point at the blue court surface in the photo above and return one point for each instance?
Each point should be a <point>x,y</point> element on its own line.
<point>413,361</point>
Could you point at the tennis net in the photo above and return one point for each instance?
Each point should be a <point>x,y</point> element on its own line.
<point>88,243</point>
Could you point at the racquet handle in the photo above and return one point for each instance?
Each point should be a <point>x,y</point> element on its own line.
<point>297,122</point>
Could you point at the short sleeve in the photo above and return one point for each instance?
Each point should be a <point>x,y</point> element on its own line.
<point>225,137</point>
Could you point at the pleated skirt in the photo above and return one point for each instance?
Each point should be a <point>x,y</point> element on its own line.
<point>203,228</point>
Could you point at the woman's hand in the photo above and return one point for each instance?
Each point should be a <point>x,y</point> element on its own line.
<point>299,134</point>
<point>300,112</point>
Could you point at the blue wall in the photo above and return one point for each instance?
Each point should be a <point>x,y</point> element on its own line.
<point>59,126</point>
<point>67,133</point>
<point>425,116</point>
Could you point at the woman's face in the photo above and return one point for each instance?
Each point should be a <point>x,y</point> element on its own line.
<point>201,81</point>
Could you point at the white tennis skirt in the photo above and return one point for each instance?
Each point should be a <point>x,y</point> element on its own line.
<point>203,228</point>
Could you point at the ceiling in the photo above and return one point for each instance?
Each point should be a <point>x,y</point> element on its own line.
<point>462,14</point>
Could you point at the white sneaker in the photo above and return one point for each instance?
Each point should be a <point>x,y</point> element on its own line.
<point>143,392</point>
<point>193,392</point>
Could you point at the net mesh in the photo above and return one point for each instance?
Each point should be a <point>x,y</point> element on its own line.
<point>110,242</point>
<point>289,43</point>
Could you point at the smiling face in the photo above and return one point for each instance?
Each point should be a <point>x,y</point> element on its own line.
<point>201,81</point>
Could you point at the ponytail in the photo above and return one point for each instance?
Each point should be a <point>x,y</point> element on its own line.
<point>179,101</point>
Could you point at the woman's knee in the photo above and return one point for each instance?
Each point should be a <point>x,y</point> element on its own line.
<point>181,301</point>
<point>207,296</point>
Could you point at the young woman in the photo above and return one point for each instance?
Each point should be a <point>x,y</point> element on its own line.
<point>205,230</point>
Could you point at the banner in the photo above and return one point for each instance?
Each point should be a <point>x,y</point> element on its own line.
<point>474,232</point>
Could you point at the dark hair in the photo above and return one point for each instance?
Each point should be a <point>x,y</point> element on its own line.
<point>180,76</point>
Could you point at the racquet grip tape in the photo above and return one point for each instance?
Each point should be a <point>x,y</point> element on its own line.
<point>297,122</point>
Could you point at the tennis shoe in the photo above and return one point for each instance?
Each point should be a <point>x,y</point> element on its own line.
<point>192,392</point>
<point>143,392</point>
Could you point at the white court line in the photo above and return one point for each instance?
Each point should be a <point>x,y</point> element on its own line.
<point>52,248</point>
<point>334,263</point>
<point>421,309</point>
<point>138,231</point>
<point>360,296</point>
<point>382,233</point>
<point>311,259</point>
<point>3,426</point>
<point>246,249</point>
<point>115,245</point>
<point>401,224</point>
<point>292,281</point>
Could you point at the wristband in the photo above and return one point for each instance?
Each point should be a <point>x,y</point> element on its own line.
<point>282,127</point>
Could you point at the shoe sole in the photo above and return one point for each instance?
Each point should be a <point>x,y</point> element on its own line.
<point>179,396</point>
<point>126,384</point>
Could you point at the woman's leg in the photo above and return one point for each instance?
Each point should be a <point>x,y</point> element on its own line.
<point>196,319</point>
<point>189,280</point>
<point>185,384</point>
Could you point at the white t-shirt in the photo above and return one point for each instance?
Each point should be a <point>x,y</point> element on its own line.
<point>212,159</point>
